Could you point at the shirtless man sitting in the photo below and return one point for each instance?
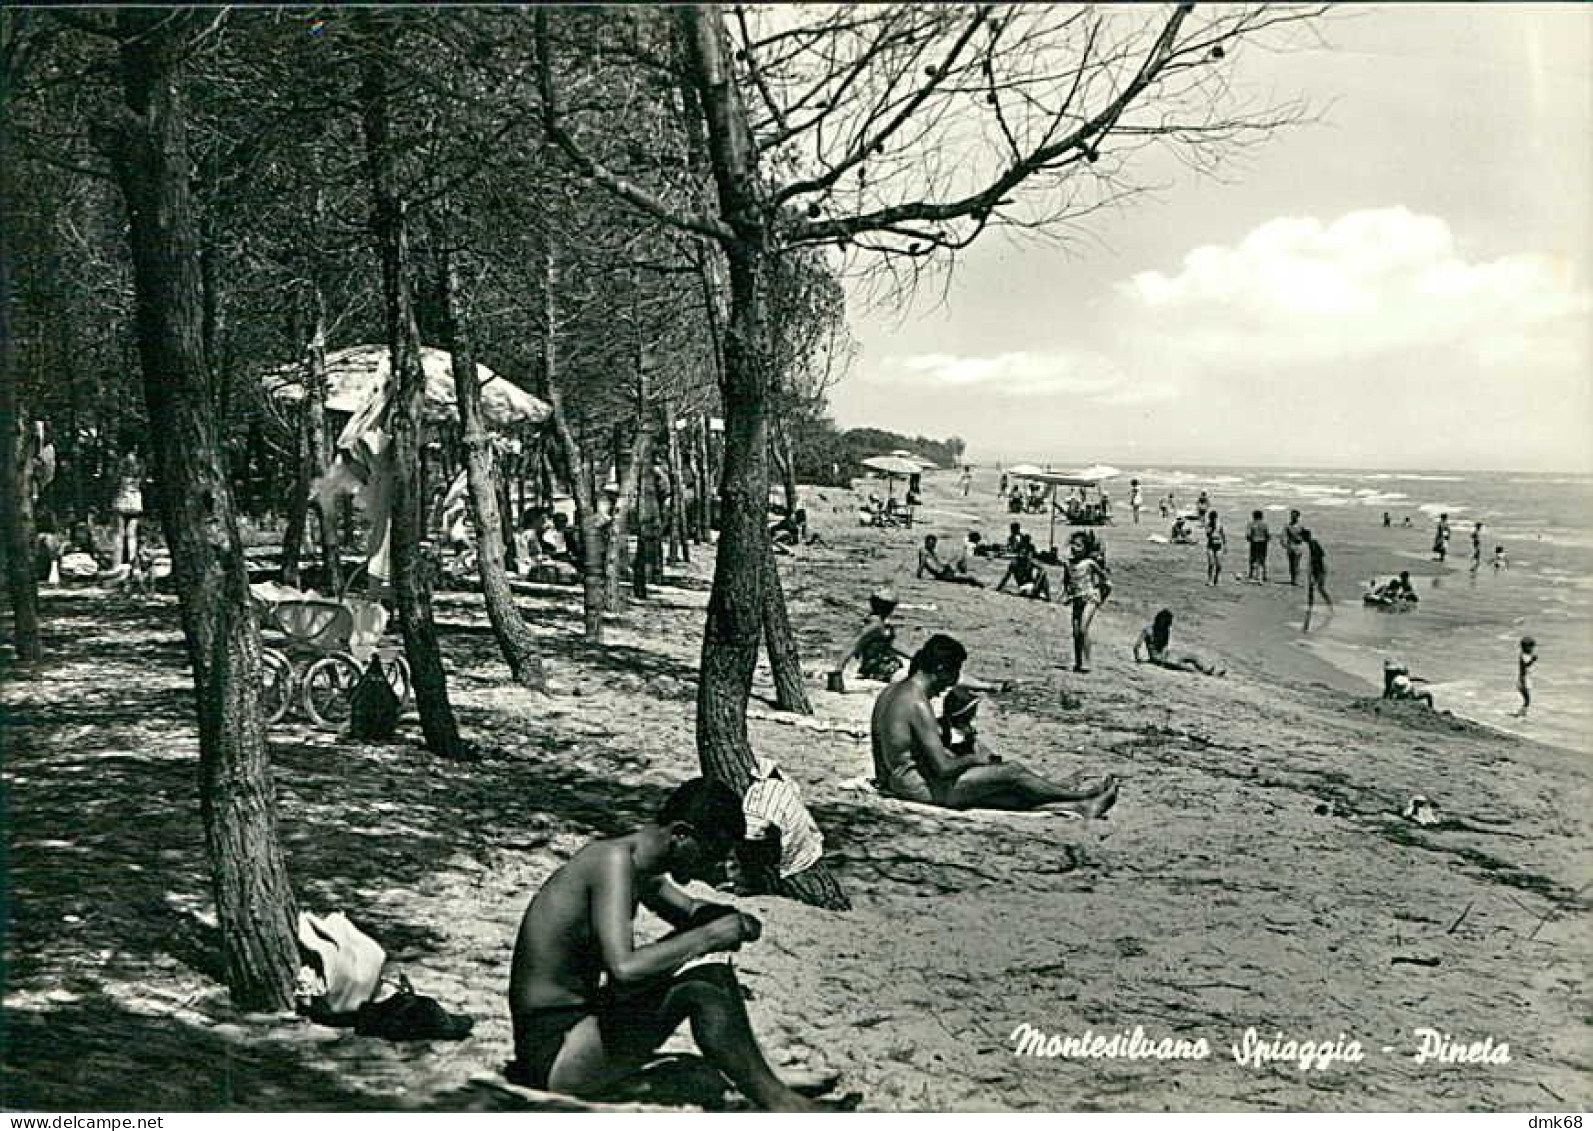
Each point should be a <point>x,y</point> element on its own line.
<point>911,761</point>
<point>590,1007</point>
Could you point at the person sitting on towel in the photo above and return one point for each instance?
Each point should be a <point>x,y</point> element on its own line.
<point>911,761</point>
<point>590,1006</point>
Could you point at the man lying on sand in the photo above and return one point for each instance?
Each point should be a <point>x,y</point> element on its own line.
<point>911,761</point>
<point>590,1007</point>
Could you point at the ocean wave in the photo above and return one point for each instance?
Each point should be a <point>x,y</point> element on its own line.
<point>1436,509</point>
<point>1430,478</point>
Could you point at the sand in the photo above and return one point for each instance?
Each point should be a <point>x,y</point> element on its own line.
<point>1255,873</point>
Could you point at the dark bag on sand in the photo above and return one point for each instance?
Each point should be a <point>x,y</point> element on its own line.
<point>373,708</point>
<point>408,1016</point>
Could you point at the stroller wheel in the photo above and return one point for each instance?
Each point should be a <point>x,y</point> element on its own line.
<point>328,688</point>
<point>276,685</point>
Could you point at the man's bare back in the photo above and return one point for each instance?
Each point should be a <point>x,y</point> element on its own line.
<point>911,762</point>
<point>590,1006</point>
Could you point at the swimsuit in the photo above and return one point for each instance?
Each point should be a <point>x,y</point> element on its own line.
<point>632,1025</point>
<point>538,1038</point>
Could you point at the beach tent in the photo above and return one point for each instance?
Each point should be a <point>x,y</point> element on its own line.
<point>357,387</point>
<point>354,374</point>
<point>1090,477</point>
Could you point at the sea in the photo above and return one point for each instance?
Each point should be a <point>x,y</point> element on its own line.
<point>1464,635</point>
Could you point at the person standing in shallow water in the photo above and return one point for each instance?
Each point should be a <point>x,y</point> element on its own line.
<point>1318,569</point>
<point>1441,538</point>
<point>1524,663</point>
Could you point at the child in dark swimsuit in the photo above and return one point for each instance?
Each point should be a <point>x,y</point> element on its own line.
<point>875,647</point>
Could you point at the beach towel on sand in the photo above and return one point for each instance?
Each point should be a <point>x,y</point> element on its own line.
<point>864,783</point>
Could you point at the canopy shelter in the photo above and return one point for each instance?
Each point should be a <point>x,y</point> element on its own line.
<point>893,467</point>
<point>923,464</point>
<point>358,388</point>
<point>355,374</point>
<point>1086,480</point>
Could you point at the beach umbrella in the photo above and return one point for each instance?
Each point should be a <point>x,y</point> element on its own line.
<point>924,464</point>
<point>893,465</point>
<point>1025,471</point>
<point>354,374</point>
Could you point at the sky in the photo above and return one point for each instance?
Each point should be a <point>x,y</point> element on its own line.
<point>1403,283</point>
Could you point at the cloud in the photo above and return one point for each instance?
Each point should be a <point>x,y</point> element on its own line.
<point>1372,282</point>
<point>1023,373</point>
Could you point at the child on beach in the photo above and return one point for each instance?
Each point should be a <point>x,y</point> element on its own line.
<point>1398,683</point>
<point>957,731</point>
<point>1157,638</point>
<point>1499,559</point>
<point>1524,662</point>
<point>1216,543</point>
<point>1084,582</point>
<point>875,647</point>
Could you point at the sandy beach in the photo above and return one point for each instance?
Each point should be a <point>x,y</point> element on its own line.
<point>1256,873</point>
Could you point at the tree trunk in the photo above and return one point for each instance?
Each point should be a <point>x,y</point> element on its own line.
<point>411,585</point>
<point>628,470</point>
<point>785,665</point>
<point>515,641</point>
<point>16,485</point>
<point>583,486</point>
<point>676,516</point>
<point>298,503</point>
<point>254,901</point>
<point>736,605</point>
<point>781,448</point>
<point>315,424</point>
<point>16,438</point>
